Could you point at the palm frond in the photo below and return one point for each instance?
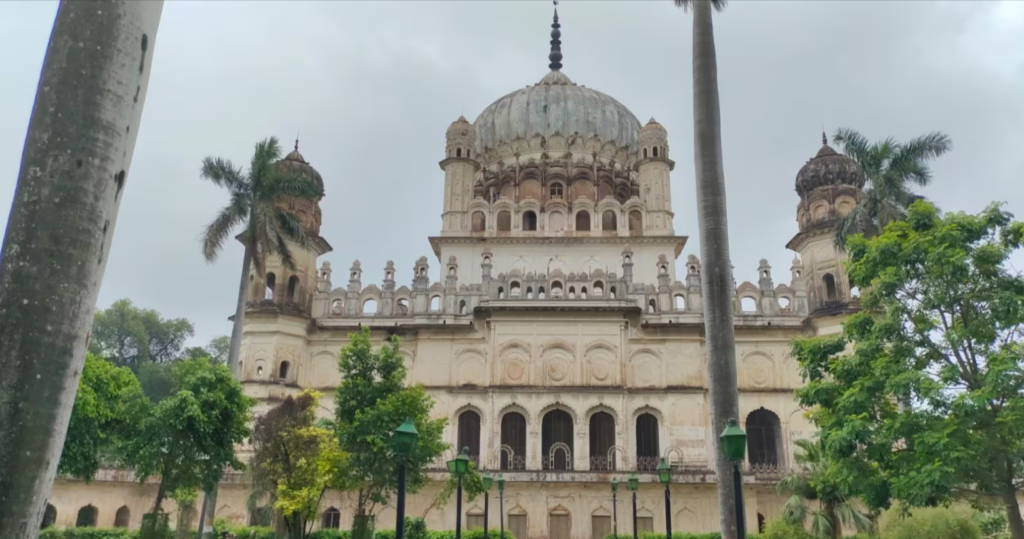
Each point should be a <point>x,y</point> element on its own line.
<point>219,230</point>
<point>717,5</point>
<point>261,167</point>
<point>288,186</point>
<point>848,514</point>
<point>909,159</point>
<point>852,143</point>
<point>290,226</point>
<point>821,528</point>
<point>794,483</point>
<point>223,174</point>
<point>794,511</point>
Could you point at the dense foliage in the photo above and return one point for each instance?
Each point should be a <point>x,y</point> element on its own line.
<point>921,399</point>
<point>189,437</point>
<point>891,168</point>
<point>295,461</point>
<point>129,336</point>
<point>108,406</point>
<point>371,402</point>
<point>931,522</point>
<point>814,482</point>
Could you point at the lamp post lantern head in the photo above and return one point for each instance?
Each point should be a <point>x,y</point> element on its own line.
<point>487,480</point>
<point>405,438</point>
<point>634,482</point>
<point>615,484</point>
<point>501,483</point>
<point>664,472</point>
<point>459,465</point>
<point>734,441</point>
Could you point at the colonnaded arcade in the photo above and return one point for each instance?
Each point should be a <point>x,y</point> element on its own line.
<point>565,342</point>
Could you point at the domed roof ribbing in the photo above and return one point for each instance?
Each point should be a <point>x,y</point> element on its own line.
<point>556,105</point>
<point>296,164</point>
<point>828,168</point>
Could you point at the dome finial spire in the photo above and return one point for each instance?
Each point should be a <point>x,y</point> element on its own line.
<point>296,141</point>
<point>556,44</point>
<point>824,139</point>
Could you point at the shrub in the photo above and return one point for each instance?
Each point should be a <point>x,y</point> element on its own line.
<point>780,529</point>
<point>87,533</point>
<point>331,534</point>
<point>679,535</point>
<point>930,522</point>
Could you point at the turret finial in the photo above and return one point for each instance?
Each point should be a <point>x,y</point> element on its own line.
<point>824,139</point>
<point>296,141</point>
<point>556,44</point>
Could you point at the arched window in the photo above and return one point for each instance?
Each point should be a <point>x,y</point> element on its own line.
<point>647,446</point>
<point>282,372</point>
<point>514,289</point>
<point>259,371</point>
<point>458,152</point>
<point>572,292</point>
<point>582,220</point>
<point>583,292</point>
<point>435,304</point>
<point>830,287</point>
<point>501,292</point>
<point>271,282</point>
<point>764,438</point>
<point>556,289</point>
<point>402,309</point>
<point>540,293</point>
<point>748,305</point>
<point>611,292</point>
<point>529,221</point>
<point>598,289</point>
<point>331,519</point>
<point>529,292</point>
<point>469,432</point>
<point>652,306</point>
<point>86,517</point>
<point>122,517</point>
<point>680,302</point>
<point>556,428</point>
<point>337,307</point>
<point>49,517</point>
<point>556,190</point>
<point>504,221</point>
<point>559,524</point>
<point>462,307</point>
<point>370,307</point>
<point>513,434</point>
<point>479,221</point>
<point>602,438</point>
<point>608,221</point>
<point>293,288</point>
<point>655,151</point>
<point>784,303</point>
<point>636,222</point>
<point>645,153</point>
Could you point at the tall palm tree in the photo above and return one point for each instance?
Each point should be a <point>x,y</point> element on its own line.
<point>266,226</point>
<point>716,274</point>
<point>891,168</point>
<point>811,483</point>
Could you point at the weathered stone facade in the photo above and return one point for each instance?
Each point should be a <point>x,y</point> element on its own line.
<point>563,344</point>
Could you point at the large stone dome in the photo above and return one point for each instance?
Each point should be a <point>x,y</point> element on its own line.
<point>294,163</point>
<point>556,105</point>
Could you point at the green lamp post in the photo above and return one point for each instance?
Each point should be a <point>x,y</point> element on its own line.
<point>633,484</point>
<point>404,440</point>
<point>486,481</point>
<point>734,445</point>
<point>501,503</point>
<point>665,477</point>
<point>458,467</point>
<point>615,507</point>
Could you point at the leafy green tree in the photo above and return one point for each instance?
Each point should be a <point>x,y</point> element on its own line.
<point>371,402</point>
<point>472,486</point>
<point>892,168</point>
<point>216,350</point>
<point>921,399</point>
<point>266,226</point>
<point>108,405</point>
<point>129,336</point>
<point>294,462</point>
<point>816,480</point>
<point>188,438</point>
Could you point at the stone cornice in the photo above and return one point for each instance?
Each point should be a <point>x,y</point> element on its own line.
<point>445,162</point>
<point>638,164</point>
<point>677,241</point>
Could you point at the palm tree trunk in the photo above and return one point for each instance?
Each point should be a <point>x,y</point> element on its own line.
<point>836,528</point>
<point>236,329</point>
<point>77,154</point>
<point>716,269</point>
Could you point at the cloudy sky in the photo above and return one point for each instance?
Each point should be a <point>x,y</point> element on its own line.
<point>372,87</point>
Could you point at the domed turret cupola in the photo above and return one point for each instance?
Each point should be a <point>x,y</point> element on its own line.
<point>830,185</point>
<point>653,140</point>
<point>653,167</point>
<point>459,168</point>
<point>461,139</point>
<point>308,211</point>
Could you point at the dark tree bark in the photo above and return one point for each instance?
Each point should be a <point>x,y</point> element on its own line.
<point>716,268</point>
<point>74,169</point>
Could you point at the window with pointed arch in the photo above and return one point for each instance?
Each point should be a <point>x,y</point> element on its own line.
<point>331,519</point>
<point>513,435</point>
<point>529,221</point>
<point>583,221</point>
<point>469,433</point>
<point>556,428</point>
<point>602,438</point>
<point>648,447</point>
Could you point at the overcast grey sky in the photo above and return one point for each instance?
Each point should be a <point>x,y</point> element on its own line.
<point>372,87</point>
